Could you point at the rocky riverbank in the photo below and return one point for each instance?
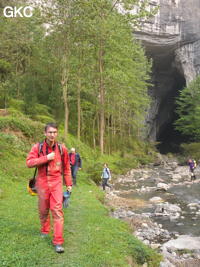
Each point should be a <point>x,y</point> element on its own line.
<point>162,206</point>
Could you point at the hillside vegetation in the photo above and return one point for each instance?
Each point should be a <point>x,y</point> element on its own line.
<point>93,81</point>
<point>92,238</point>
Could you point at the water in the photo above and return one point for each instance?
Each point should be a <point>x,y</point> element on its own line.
<point>181,194</point>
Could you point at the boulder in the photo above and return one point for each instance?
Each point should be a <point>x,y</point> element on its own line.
<point>162,186</point>
<point>156,200</point>
<point>183,242</point>
<point>165,209</point>
<point>176,176</point>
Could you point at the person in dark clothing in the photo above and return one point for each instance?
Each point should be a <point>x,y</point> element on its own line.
<point>192,166</point>
<point>75,163</point>
<point>106,175</point>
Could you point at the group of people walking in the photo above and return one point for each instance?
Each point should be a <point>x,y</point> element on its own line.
<point>54,166</point>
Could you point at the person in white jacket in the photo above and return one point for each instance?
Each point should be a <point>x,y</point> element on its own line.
<point>106,175</point>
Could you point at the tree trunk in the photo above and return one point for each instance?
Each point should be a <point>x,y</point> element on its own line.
<point>93,132</point>
<point>79,107</point>
<point>65,98</point>
<point>109,135</point>
<point>113,130</point>
<point>102,99</point>
<point>64,82</point>
<point>120,123</point>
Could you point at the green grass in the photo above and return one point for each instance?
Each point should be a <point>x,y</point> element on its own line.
<point>92,237</point>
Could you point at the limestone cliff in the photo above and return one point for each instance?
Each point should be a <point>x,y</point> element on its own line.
<point>172,40</point>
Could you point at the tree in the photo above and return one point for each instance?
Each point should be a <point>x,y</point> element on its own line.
<point>188,111</point>
<point>111,52</point>
<point>84,64</point>
<point>83,27</point>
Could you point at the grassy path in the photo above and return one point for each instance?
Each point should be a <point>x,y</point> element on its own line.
<point>92,238</point>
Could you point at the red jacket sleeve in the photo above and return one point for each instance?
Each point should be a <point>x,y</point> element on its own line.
<point>66,168</point>
<point>33,160</point>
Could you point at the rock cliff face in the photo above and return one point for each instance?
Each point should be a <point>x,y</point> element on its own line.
<point>172,40</point>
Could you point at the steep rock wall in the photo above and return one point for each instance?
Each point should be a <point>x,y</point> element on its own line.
<point>172,40</point>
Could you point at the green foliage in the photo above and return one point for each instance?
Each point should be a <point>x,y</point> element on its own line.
<point>26,126</point>
<point>188,111</point>
<point>44,119</point>
<point>88,63</point>
<point>191,150</point>
<point>5,68</point>
<point>143,254</point>
<point>17,104</point>
<point>14,112</point>
<point>94,51</point>
<point>94,172</point>
<point>184,251</point>
<point>42,110</point>
<point>42,114</point>
<point>12,142</point>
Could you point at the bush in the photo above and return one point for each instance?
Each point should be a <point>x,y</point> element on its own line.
<point>94,172</point>
<point>18,105</point>
<point>14,112</point>
<point>12,142</point>
<point>188,111</point>
<point>191,150</point>
<point>43,110</point>
<point>44,119</point>
<point>28,127</point>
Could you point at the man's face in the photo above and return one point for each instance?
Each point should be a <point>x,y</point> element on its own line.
<point>51,134</point>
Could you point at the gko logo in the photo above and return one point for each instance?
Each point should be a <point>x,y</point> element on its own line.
<point>13,12</point>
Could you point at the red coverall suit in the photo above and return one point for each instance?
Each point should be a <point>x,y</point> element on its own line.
<point>49,183</point>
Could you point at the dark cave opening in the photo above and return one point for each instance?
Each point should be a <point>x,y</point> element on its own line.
<point>168,137</point>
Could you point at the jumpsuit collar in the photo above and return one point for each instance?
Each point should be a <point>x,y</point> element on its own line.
<point>52,147</point>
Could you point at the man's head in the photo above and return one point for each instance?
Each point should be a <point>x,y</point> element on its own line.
<point>51,132</point>
<point>73,150</point>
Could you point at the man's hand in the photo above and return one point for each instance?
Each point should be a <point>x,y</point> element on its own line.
<point>69,188</point>
<point>51,156</point>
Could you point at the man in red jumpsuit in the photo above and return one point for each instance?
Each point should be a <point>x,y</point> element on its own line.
<point>51,166</point>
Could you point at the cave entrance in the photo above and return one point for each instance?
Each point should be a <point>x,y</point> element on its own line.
<point>168,80</point>
<point>168,137</point>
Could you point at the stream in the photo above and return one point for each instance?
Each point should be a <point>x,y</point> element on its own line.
<point>180,193</point>
<point>163,206</point>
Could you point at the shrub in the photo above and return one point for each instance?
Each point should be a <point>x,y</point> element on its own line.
<point>191,150</point>
<point>16,104</point>
<point>41,109</point>
<point>94,172</point>
<point>28,127</point>
<point>15,112</point>
<point>44,119</point>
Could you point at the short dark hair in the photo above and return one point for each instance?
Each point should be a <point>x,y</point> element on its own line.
<point>50,124</point>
